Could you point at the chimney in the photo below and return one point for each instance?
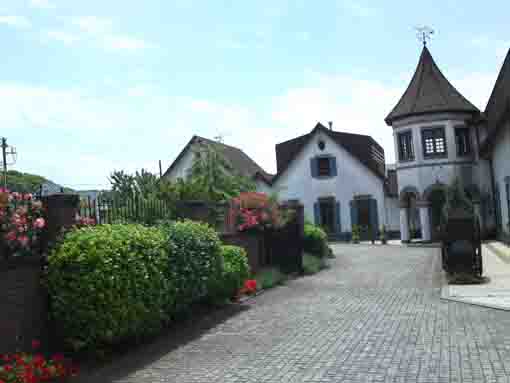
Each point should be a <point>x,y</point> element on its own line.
<point>330,123</point>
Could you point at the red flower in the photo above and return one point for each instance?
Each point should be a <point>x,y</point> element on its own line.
<point>36,344</point>
<point>7,368</point>
<point>6,358</point>
<point>38,360</point>
<point>250,285</point>
<point>58,357</point>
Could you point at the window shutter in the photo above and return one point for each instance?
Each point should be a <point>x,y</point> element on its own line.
<point>332,166</point>
<point>354,213</point>
<point>338,219</point>
<point>314,167</point>
<point>316,213</point>
<point>374,217</point>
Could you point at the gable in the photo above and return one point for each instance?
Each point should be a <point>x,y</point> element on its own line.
<point>363,148</point>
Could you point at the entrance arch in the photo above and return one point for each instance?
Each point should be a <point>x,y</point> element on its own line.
<point>435,196</point>
<point>409,214</point>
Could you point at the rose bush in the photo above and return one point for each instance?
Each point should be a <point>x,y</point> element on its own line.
<point>22,367</point>
<point>21,222</point>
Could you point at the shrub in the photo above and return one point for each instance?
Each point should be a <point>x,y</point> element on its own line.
<point>313,264</point>
<point>315,240</point>
<point>109,283</point>
<point>270,277</point>
<point>234,272</point>
<point>194,260</point>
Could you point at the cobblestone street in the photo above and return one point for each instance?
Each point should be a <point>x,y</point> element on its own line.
<point>375,316</point>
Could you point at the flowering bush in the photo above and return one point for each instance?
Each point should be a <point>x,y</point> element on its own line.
<point>34,368</point>
<point>257,211</point>
<point>21,221</point>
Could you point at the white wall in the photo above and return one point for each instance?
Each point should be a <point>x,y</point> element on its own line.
<point>182,167</point>
<point>423,172</point>
<point>501,166</point>
<point>353,178</point>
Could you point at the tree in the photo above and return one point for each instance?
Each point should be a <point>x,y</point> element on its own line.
<point>123,184</point>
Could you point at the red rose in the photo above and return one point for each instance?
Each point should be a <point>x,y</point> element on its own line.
<point>7,368</point>
<point>36,344</point>
<point>58,357</point>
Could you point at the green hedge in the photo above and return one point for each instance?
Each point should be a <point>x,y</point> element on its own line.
<point>194,260</point>
<point>109,283</point>
<point>235,270</point>
<point>315,241</point>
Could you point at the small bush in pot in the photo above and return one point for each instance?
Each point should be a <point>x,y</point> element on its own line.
<point>109,283</point>
<point>315,240</point>
<point>355,234</point>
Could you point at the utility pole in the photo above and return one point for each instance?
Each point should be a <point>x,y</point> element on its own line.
<point>13,153</point>
<point>4,160</point>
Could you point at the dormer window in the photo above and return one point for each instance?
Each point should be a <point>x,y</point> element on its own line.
<point>323,166</point>
<point>434,142</point>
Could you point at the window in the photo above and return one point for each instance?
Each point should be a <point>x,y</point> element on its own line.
<point>463,141</point>
<point>324,168</point>
<point>434,142</point>
<point>405,146</point>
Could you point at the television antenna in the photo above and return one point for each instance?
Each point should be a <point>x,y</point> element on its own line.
<point>424,34</point>
<point>7,151</point>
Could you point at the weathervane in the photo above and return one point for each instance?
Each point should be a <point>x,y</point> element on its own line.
<point>423,34</point>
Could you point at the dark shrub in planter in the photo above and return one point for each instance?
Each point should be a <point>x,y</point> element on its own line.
<point>315,240</point>
<point>110,283</point>
<point>194,259</point>
<point>233,273</point>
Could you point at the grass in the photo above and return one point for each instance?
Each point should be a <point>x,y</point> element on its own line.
<point>270,277</point>
<point>313,264</point>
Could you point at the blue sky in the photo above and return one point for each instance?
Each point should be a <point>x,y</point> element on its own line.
<point>87,87</point>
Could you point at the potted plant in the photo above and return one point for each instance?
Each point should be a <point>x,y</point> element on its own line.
<point>382,234</point>
<point>355,234</point>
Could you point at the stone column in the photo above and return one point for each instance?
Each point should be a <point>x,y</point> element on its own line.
<point>424,207</point>
<point>404,222</point>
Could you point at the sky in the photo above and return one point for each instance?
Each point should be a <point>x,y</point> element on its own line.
<point>88,87</point>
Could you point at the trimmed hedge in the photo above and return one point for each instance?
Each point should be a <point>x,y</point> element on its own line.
<point>235,270</point>
<point>315,240</point>
<point>109,283</point>
<point>194,260</point>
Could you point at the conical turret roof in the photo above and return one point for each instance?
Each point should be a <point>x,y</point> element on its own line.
<point>429,92</point>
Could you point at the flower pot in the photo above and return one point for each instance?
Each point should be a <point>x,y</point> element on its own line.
<point>23,304</point>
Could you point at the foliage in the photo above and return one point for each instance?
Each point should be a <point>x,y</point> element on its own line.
<point>216,176</point>
<point>456,199</point>
<point>27,183</point>
<point>21,222</point>
<point>253,210</point>
<point>270,277</point>
<point>143,184</point>
<point>313,264</point>
<point>315,240</point>
<point>355,233</point>
<point>22,367</point>
<point>233,273</point>
<point>382,234</point>
<point>194,259</point>
<point>109,283</point>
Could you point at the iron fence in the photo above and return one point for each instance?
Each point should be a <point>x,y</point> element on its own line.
<point>137,209</point>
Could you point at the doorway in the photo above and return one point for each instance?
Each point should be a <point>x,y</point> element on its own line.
<point>327,214</point>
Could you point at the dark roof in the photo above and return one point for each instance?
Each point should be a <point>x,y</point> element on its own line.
<point>239,160</point>
<point>362,147</point>
<point>429,92</point>
<point>498,106</point>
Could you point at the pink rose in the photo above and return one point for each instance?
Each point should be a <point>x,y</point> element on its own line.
<point>23,240</point>
<point>39,223</point>
<point>16,195</point>
<point>10,236</point>
<point>27,197</point>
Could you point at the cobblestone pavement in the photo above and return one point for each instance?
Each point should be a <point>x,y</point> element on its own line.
<point>375,316</point>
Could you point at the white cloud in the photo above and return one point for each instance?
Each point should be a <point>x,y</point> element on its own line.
<point>125,43</point>
<point>42,4</point>
<point>15,21</point>
<point>93,24</point>
<point>64,37</point>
